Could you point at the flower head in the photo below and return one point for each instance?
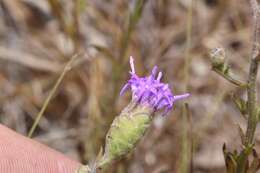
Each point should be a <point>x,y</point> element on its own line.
<point>149,95</point>
<point>150,91</point>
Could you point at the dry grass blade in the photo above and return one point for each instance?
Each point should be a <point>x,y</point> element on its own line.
<point>51,94</point>
<point>186,161</point>
<point>188,44</point>
<point>28,60</point>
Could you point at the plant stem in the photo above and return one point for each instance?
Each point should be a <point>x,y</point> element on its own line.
<point>252,112</point>
<point>252,89</point>
<point>231,78</point>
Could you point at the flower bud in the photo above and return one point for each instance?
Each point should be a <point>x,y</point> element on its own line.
<point>218,57</point>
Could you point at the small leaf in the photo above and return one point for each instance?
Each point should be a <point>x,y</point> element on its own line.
<point>242,135</point>
<point>255,165</point>
<point>241,104</point>
<point>235,154</point>
<point>230,161</point>
<point>225,68</point>
<point>231,165</point>
<point>243,156</point>
<point>224,149</point>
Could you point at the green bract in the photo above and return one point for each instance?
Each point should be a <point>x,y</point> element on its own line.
<point>126,130</point>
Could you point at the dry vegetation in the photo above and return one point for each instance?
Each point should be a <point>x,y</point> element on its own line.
<point>37,38</point>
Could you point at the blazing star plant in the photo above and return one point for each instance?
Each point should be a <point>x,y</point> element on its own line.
<point>149,96</point>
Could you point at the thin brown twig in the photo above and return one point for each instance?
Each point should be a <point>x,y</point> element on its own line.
<point>51,94</point>
<point>185,161</point>
<point>188,45</point>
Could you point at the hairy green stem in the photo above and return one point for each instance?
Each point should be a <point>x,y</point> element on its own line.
<point>252,88</point>
<point>251,91</point>
<point>252,112</point>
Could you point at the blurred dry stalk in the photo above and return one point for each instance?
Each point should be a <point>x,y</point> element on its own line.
<point>66,69</point>
<point>186,140</point>
<point>188,44</point>
<point>70,24</point>
<point>38,37</point>
<point>94,131</point>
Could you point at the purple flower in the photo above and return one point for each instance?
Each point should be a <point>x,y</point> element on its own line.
<point>150,91</point>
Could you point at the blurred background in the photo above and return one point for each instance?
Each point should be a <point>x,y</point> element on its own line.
<point>37,38</point>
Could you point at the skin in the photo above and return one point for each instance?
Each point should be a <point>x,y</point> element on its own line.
<point>24,155</point>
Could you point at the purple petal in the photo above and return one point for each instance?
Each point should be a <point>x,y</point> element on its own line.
<point>179,97</point>
<point>124,89</point>
<point>132,65</point>
<point>154,71</point>
<point>159,76</point>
